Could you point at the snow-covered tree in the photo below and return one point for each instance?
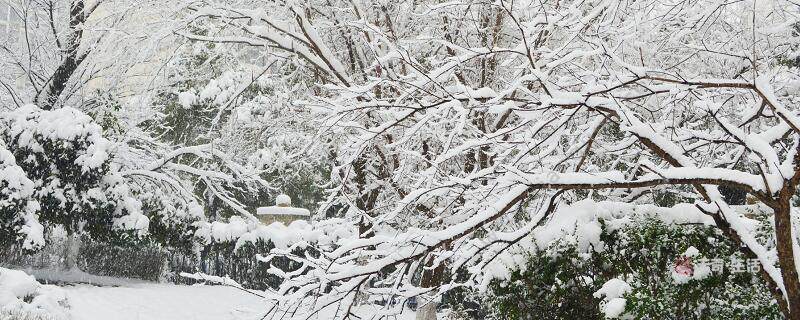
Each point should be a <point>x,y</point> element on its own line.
<point>59,174</point>
<point>183,155</point>
<point>462,133</point>
<point>463,125</point>
<point>58,53</point>
<point>219,95</point>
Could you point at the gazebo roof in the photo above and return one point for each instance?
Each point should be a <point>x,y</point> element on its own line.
<point>276,210</point>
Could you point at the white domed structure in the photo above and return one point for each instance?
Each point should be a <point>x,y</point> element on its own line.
<point>282,212</point>
<point>283,200</point>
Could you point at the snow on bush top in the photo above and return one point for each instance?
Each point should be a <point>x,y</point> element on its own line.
<point>282,236</point>
<point>613,288</point>
<point>21,293</point>
<point>580,223</point>
<point>613,304</point>
<point>65,124</point>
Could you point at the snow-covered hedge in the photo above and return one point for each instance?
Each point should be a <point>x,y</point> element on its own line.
<point>139,262</point>
<point>597,260</point>
<point>249,252</point>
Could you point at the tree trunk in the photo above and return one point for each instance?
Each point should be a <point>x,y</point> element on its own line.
<point>430,278</point>
<point>71,250</point>
<point>427,312</point>
<point>783,233</point>
<point>48,97</point>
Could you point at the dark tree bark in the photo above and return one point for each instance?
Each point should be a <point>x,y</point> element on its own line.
<point>48,97</point>
<point>782,206</point>
<point>783,233</point>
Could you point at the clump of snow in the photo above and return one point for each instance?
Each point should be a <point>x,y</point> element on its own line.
<point>613,305</point>
<point>33,230</point>
<point>283,199</point>
<point>613,308</point>
<point>225,281</point>
<point>701,271</point>
<point>681,277</point>
<point>223,88</point>
<point>223,232</point>
<point>20,293</point>
<point>138,223</point>
<point>615,215</point>
<point>283,236</point>
<point>613,288</point>
<point>244,115</point>
<point>580,222</point>
<point>128,209</point>
<point>30,123</point>
<point>187,98</point>
<point>13,176</point>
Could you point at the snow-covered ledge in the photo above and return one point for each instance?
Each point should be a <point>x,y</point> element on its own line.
<point>282,211</point>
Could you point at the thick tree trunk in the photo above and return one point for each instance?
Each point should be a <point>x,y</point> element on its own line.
<point>427,312</point>
<point>430,278</point>
<point>48,97</point>
<point>783,233</point>
<point>71,250</point>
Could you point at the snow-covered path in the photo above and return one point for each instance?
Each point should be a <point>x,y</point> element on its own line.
<point>151,301</point>
<point>69,296</point>
<point>162,301</point>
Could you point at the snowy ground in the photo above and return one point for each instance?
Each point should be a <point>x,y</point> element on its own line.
<point>162,301</point>
<point>121,299</point>
<point>167,302</point>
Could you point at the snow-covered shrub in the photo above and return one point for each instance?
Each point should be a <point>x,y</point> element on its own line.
<point>631,274</point>
<point>61,174</point>
<point>18,209</point>
<point>225,259</point>
<point>20,315</point>
<point>143,261</point>
<point>249,253</point>
<point>21,296</point>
